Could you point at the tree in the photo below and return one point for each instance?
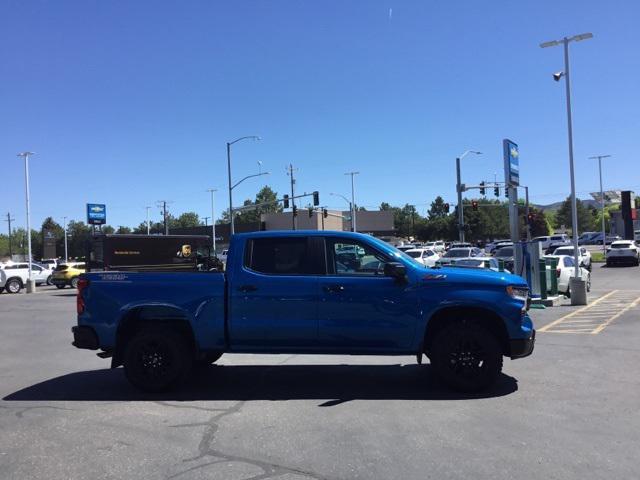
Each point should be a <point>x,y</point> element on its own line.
<point>437,209</point>
<point>268,201</point>
<point>564,217</point>
<point>79,234</point>
<point>185,220</point>
<point>122,230</point>
<point>108,229</point>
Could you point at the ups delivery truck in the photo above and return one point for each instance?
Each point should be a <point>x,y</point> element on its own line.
<point>152,253</point>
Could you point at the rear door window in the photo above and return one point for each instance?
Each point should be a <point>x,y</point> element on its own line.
<point>280,256</point>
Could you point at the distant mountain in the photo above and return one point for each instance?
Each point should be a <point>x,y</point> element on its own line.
<point>552,207</point>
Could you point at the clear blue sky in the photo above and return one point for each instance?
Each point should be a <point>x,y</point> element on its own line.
<point>127,103</point>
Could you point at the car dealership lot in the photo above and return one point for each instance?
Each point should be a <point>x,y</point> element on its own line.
<point>568,411</point>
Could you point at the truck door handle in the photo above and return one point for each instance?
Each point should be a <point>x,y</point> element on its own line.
<point>334,288</point>
<point>247,288</point>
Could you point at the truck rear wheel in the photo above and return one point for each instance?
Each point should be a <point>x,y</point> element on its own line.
<point>156,359</point>
<point>466,356</point>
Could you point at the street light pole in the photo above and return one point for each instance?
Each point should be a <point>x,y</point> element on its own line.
<point>604,236</point>
<point>459,190</point>
<point>213,217</point>
<point>567,80</point>
<point>353,203</point>
<point>231,222</point>
<point>31,286</point>
<point>350,206</point>
<point>148,225</point>
<point>66,255</point>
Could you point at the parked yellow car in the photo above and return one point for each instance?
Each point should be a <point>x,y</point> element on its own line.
<point>67,274</point>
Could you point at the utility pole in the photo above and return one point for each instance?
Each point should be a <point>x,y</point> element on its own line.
<point>66,254</point>
<point>163,204</point>
<point>353,202</point>
<point>31,285</point>
<point>206,221</point>
<point>213,217</point>
<point>148,225</point>
<point>294,220</point>
<point>9,220</point>
<point>460,189</point>
<point>604,236</point>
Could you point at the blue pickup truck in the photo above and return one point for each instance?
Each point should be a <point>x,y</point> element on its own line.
<point>306,292</point>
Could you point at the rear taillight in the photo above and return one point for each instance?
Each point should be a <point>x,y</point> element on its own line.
<point>558,273</point>
<point>83,283</point>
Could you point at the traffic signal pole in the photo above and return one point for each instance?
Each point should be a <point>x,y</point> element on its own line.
<point>460,208</point>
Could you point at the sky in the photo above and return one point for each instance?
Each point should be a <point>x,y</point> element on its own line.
<point>128,103</point>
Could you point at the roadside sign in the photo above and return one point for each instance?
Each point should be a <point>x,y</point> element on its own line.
<point>96,213</point>
<point>511,162</point>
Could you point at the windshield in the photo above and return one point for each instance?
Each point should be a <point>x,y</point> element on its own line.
<point>414,254</point>
<point>621,245</point>
<point>564,251</point>
<point>457,253</point>
<point>505,252</point>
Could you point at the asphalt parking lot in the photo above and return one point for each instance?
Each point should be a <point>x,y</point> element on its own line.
<point>568,411</point>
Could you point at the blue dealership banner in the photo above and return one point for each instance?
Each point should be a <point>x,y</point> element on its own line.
<point>511,163</point>
<point>96,213</point>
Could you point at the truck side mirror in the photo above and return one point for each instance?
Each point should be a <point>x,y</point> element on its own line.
<point>395,269</point>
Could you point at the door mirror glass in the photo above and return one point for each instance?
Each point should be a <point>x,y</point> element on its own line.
<point>395,269</point>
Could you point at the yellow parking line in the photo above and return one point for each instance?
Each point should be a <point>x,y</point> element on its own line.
<point>574,313</point>
<point>628,307</point>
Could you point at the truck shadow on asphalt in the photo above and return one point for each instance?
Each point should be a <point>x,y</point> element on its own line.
<point>334,383</point>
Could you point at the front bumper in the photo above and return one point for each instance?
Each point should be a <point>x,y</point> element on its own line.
<point>522,347</point>
<point>85,337</point>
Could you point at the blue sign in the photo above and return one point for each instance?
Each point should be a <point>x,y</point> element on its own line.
<point>96,213</point>
<point>511,163</point>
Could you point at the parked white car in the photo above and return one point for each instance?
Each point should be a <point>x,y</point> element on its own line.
<point>425,256</point>
<point>565,270</point>
<point>455,254</point>
<point>584,255</point>
<point>623,251</point>
<point>50,263</point>
<point>14,276</point>
<point>222,256</point>
<point>437,246</point>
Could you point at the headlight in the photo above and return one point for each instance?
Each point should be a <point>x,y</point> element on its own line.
<point>519,293</point>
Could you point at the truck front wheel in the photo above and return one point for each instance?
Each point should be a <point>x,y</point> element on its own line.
<point>156,359</point>
<point>466,356</point>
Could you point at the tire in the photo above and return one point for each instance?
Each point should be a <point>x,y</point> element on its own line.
<point>74,282</point>
<point>156,359</point>
<point>466,356</point>
<point>60,286</point>
<point>1,289</point>
<point>13,285</point>
<point>49,282</point>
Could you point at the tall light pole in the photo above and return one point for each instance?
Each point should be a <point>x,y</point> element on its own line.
<point>253,137</point>
<point>213,217</point>
<point>350,207</point>
<point>353,202</point>
<point>66,254</point>
<point>567,80</point>
<point>31,286</point>
<point>459,189</point>
<point>604,237</point>
<point>148,224</point>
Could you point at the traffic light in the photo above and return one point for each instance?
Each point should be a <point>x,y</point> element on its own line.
<point>482,188</point>
<point>310,212</point>
<point>316,198</point>
<point>325,212</point>
<point>496,191</point>
<point>446,208</point>
<point>285,201</point>
<point>474,205</point>
<point>295,211</point>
